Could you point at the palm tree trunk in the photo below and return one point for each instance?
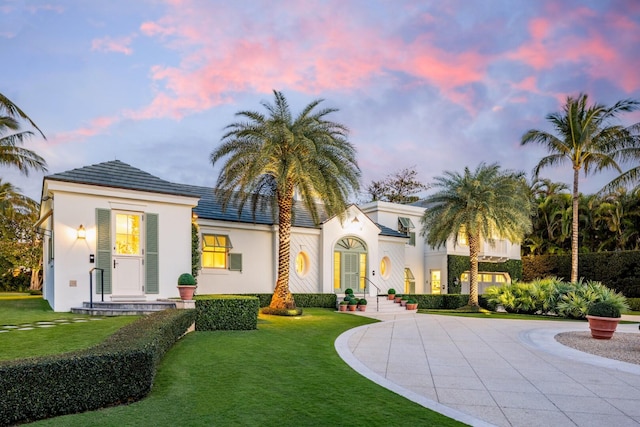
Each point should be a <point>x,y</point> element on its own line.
<point>574,228</point>
<point>474,251</point>
<point>282,297</point>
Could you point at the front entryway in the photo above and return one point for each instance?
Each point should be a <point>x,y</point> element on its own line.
<point>436,282</point>
<point>349,265</point>
<point>128,254</point>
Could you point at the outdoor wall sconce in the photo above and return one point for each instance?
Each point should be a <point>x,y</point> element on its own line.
<point>82,233</point>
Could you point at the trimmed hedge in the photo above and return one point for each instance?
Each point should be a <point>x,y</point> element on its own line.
<point>226,312</point>
<point>458,264</point>
<point>119,370</point>
<point>302,300</point>
<point>444,301</point>
<point>617,270</point>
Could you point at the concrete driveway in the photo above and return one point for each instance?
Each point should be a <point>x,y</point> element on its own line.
<point>487,372</point>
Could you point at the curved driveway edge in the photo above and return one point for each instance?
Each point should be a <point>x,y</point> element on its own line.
<point>495,372</point>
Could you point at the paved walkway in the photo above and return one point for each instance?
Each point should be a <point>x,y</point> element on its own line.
<point>487,372</point>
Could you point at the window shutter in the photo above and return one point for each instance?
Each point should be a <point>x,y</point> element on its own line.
<point>235,262</point>
<point>412,239</point>
<point>103,249</point>
<point>151,265</point>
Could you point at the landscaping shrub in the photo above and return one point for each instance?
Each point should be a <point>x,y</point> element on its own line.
<point>552,296</point>
<point>619,270</point>
<point>444,301</point>
<point>226,312</point>
<point>604,309</point>
<point>302,300</point>
<point>121,369</point>
<point>634,304</point>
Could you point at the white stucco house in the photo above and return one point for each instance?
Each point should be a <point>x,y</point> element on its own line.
<point>136,228</point>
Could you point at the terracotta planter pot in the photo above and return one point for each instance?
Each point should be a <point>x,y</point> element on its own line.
<point>362,307</point>
<point>397,299</point>
<point>403,302</point>
<point>412,306</point>
<point>342,307</point>
<point>602,328</point>
<point>352,307</point>
<point>186,292</point>
<point>391,297</point>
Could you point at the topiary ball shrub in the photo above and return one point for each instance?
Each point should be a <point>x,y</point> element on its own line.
<point>362,301</point>
<point>348,291</point>
<point>353,301</point>
<point>604,309</point>
<point>186,279</point>
<point>391,291</point>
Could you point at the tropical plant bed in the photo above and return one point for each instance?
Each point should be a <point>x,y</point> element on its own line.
<point>207,376</point>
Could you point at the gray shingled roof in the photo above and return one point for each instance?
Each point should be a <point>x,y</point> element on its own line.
<point>118,174</point>
<point>210,207</point>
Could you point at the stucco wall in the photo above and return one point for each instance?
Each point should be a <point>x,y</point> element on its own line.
<point>258,246</point>
<point>75,204</point>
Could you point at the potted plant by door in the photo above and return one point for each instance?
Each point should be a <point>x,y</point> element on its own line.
<point>343,305</point>
<point>398,298</point>
<point>603,319</point>
<point>403,301</point>
<point>353,304</point>
<point>362,304</point>
<point>186,286</point>
<point>391,294</point>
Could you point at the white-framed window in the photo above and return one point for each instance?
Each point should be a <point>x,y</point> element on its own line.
<point>302,264</point>
<point>462,237</point>
<point>385,267</point>
<point>215,250</point>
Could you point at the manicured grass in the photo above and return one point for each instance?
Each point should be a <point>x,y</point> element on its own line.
<point>286,373</point>
<point>43,341</point>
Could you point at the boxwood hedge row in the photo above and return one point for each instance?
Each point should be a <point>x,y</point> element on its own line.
<point>120,369</point>
<point>302,300</point>
<point>445,301</point>
<point>226,312</point>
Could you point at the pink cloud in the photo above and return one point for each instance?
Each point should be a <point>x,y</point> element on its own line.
<point>604,48</point>
<point>321,52</point>
<point>96,126</point>
<point>108,44</point>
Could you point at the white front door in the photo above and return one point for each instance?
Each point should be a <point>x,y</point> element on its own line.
<point>128,254</point>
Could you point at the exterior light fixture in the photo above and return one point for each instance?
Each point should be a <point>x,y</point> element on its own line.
<point>82,232</point>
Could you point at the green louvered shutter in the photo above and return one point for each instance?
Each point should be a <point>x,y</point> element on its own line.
<point>235,262</point>
<point>103,248</point>
<point>152,274</point>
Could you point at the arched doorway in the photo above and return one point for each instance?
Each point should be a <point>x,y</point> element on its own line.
<point>349,265</point>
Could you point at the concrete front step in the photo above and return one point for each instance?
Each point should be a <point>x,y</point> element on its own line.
<point>129,308</point>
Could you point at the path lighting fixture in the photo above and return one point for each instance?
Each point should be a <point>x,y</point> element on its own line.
<point>82,232</point>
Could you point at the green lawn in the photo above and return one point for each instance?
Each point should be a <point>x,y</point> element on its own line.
<point>286,373</point>
<point>20,310</point>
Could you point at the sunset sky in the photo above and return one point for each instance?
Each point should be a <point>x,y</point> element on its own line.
<point>435,85</point>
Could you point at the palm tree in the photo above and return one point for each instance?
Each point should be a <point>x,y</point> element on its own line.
<point>11,137</point>
<point>275,155</point>
<point>585,138</point>
<point>486,203</point>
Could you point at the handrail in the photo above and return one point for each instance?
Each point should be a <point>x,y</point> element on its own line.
<point>377,294</point>
<point>91,284</point>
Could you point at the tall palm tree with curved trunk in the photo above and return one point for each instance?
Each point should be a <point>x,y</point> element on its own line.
<point>585,138</point>
<point>11,137</point>
<point>486,203</point>
<point>269,157</point>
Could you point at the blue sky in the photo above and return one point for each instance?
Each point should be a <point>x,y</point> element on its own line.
<point>427,84</point>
